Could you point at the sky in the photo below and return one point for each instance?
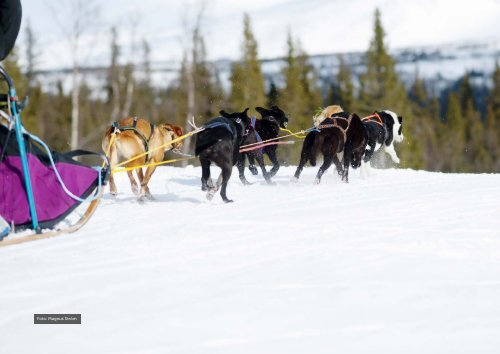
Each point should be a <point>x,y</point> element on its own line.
<point>322,26</point>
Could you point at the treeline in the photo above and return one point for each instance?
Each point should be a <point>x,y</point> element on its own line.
<point>458,140</point>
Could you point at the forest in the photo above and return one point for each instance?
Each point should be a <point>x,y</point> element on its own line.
<point>457,136</point>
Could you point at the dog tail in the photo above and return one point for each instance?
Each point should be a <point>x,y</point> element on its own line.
<point>314,152</point>
<point>107,137</point>
<point>310,148</point>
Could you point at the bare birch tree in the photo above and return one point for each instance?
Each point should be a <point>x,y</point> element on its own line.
<point>114,76</point>
<point>75,19</point>
<point>192,31</point>
<point>130,68</point>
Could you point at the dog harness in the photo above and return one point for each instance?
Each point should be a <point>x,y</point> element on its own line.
<point>223,122</point>
<point>219,123</point>
<point>335,124</point>
<point>133,127</point>
<point>253,120</point>
<point>374,118</point>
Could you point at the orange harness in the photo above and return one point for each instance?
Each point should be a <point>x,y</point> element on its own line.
<point>377,120</point>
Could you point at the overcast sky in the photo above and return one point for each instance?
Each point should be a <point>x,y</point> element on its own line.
<point>323,26</point>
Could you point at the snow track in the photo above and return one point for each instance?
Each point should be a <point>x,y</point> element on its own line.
<point>404,262</point>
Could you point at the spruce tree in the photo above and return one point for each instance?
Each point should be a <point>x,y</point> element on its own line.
<point>247,80</point>
<point>419,142</point>
<point>477,158</point>
<point>301,96</point>
<point>493,121</point>
<point>272,95</point>
<point>292,99</point>
<point>238,86</point>
<point>455,137</point>
<point>345,86</point>
<point>492,136</point>
<point>435,159</point>
<point>309,82</point>
<point>380,89</point>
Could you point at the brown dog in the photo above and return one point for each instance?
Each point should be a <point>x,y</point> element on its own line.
<point>328,112</point>
<point>129,143</point>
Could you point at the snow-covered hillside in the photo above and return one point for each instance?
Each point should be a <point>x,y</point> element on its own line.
<point>439,66</point>
<point>404,262</point>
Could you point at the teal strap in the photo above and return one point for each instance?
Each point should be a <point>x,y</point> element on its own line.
<point>135,130</point>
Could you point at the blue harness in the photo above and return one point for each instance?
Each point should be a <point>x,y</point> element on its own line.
<point>218,122</point>
<point>259,139</point>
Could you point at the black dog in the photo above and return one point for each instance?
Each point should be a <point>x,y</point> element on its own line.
<point>383,129</point>
<point>220,143</point>
<point>355,145</point>
<point>329,138</point>
<point>252,138</point>
<point>268,128</point>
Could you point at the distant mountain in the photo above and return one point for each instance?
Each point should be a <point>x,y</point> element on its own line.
<point>439,66</point>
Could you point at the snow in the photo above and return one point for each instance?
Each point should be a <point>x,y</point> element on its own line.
<point>403,262</point>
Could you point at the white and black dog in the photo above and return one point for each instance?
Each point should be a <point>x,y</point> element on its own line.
<point>383,129</point>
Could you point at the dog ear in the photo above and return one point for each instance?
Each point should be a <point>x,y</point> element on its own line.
<point>178,131</point>
<point>355,117</point>
<point>277,109</point>
<point>261,110</point>
<point>224,114</point>
<point>245,111</point>
<point>400,119</point>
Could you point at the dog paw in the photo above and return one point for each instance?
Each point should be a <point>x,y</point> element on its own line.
<point>210,194</point>
<point>294,179</point>
<point>228,201</point>
<point>317,180</point>
<point>135,190</point>
<point>253,169</point>
<point>396,160</point>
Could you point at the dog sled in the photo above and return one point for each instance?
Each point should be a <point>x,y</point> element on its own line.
<point>40,188</point>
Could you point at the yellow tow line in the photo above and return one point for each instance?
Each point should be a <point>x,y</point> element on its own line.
<point>185,136</point>
<point>111,141</point>
<point>300,136</point>
<point>124,169</point>
<point>119,167</point>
